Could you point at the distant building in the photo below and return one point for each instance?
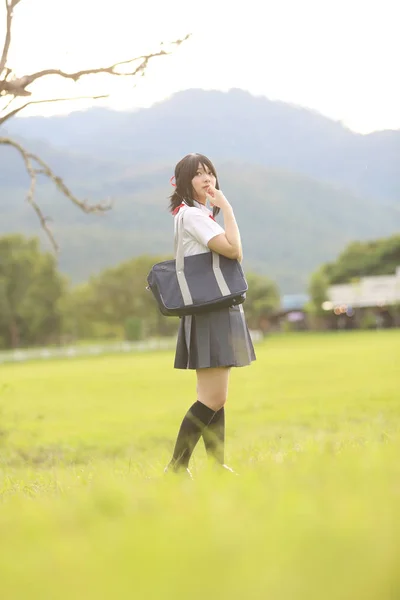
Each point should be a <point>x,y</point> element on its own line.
<point>368,302</point>
<point>294,302</point>
<point>291,313</point>
<point>367,292</point>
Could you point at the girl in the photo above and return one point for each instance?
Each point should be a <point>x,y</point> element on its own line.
<point>213,342</point>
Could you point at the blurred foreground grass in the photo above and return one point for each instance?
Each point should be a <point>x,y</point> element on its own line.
<point>312,428</point>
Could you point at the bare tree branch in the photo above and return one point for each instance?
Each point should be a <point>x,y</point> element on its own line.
<point>29,159</point>
<point>16,110</point>
<point>17,86</point>
<point>8,103</point>
<point>9,8</point>
<point>13,87</point>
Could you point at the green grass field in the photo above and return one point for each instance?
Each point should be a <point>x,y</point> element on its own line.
<point>313,428</point>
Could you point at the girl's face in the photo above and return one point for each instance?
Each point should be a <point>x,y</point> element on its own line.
<point>201,181</point>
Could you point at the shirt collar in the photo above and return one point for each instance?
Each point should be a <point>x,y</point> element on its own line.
<point>201,206</point>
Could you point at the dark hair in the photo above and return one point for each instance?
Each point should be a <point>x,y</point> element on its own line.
<point>185,170</point>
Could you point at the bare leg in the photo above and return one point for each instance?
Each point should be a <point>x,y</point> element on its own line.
<point>212,387</point>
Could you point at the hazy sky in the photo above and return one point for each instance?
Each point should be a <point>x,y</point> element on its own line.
<point>338,57</point>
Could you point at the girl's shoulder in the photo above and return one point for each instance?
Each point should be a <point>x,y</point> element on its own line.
<point>192,214</point>
<point>195,211</point>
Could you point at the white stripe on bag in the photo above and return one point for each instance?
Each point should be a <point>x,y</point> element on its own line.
<point>225,291</point>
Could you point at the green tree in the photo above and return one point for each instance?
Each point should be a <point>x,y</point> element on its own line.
<point>77,309</point>
<point>134,329</point>
<point>317,290</point>
<point>30,291</point>
<point>262,300</point>
<point>318,318</point>
<point>360,259</point>
<point>114,300</point>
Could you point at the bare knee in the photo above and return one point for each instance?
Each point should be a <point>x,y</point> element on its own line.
<point>212,387</point>
<point>214,401</point>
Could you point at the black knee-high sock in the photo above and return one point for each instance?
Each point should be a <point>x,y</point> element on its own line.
<point>214,436</point>
<point>193,424</point>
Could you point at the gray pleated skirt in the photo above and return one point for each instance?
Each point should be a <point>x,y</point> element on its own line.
<point>215,339</point>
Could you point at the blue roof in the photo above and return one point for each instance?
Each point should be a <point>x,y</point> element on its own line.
<point>294,301</point>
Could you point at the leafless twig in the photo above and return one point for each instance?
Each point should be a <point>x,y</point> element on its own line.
<point>17,110</point>
<point>30,160</point>
<point>10,4</point>
<point>17,86</point>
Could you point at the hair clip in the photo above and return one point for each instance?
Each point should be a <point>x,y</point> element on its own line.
<point>171,181</point>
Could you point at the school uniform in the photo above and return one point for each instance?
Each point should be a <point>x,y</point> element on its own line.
<point>218,338</point>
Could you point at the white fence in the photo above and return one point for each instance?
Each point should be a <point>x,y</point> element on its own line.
<point>22,355</point>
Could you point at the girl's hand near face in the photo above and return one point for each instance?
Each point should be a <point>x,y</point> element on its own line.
<point>228,244</point>
<point>216,197</point>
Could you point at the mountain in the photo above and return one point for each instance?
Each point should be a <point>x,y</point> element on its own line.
<point>230,125</point>
<point>297,180</point>
<point>290,224</point>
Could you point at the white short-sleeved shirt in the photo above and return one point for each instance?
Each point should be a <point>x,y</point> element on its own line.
<point>198,228</point>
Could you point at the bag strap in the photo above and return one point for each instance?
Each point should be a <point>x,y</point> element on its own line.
<point>180,259</point>
<point>180,262</point>
<point>178,240</point>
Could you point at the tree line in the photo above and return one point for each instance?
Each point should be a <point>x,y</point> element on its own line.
<point>38,306</point>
